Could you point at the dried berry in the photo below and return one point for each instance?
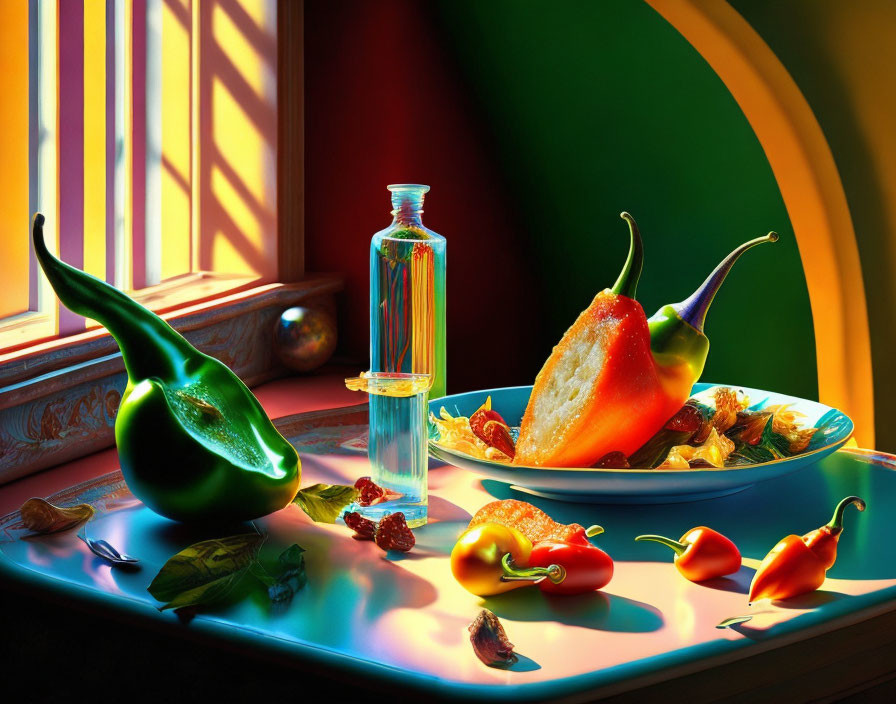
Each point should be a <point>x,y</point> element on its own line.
<point>688,419</point>
<point>612,460</point>
<point>393,533</point>
<point>364,528</point>
<point>369,493</point>
<point>490,642</point>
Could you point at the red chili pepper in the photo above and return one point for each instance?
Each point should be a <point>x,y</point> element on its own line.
<point>797,565</point>
<point>578,567</point>
<point>701,553</point>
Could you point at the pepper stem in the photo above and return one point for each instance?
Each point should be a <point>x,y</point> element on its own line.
<point>627,283</point>
<point>512,573</point>
<point>836,523</point>
<point>678,547</point>
<point>593,530</point>
<point>129,323</point>
<point>694,308</point>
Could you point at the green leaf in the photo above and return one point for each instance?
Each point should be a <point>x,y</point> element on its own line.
<point>729,622</point>
<point>205,572</point>
<point>292,575</point>
<point>324,502</point>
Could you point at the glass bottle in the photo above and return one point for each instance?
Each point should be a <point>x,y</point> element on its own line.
<point>407,337</point>
<point>407,292</point>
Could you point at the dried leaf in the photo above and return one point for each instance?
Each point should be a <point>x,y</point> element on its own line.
<point>752,449</point>
<point>43,517</point>
<point>749,427</point>
<point>728,404</point>
<point>324,503</point>
<point>205,572</point>
<point>103,549</point>
<point>489,640</point>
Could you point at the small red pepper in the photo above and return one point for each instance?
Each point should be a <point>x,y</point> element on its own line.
<point>579,567</point>
<point>701,553</point>
<point>797,565</point>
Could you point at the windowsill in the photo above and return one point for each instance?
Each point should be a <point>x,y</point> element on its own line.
<point>46,355</point>
<point>25,329</point>
<point>32,328</point>
<point>58,398</point>
<point>190,289</point>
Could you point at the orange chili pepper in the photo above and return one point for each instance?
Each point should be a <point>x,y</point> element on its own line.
<point>701,553</point>
<point>797,565</point>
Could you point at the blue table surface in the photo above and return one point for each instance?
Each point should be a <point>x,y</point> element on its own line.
<point>403,619</point>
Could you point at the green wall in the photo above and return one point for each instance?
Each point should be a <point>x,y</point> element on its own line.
<point>597,107</point>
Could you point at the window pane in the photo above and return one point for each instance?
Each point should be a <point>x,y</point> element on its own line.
<point>15,171</point>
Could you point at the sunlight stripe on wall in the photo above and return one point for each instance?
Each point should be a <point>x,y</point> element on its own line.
<point>95,138</point>
<point>137,135</point>
<point>109,100</point>
<point>176,99</point>
<point>122,198</point>
<point>46,148</point>
<point>70,125</point>
<point>153,127</point>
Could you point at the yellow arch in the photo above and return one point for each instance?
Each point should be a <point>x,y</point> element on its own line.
<point>813,195</point>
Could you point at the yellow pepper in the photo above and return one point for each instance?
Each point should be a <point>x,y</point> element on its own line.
<point>477,555</point>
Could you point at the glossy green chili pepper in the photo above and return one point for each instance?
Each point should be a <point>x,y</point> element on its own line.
<point>677,340</point>
<point>194,443</point>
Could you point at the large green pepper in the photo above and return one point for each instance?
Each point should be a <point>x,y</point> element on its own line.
<point>194,443</point>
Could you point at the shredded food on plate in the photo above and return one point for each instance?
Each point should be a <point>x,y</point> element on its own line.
<point>455,434</point>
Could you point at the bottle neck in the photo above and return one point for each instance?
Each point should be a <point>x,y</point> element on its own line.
<point>407,203</point>
<point>407,209</point>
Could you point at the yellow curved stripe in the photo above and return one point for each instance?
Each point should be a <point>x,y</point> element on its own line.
<point>810,186</point>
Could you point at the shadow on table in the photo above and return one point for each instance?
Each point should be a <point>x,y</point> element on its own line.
<point>597,610</point>
<point>739,582</point>
<point>781,621</point>
<point>522,664</point>
<point>812,600</point>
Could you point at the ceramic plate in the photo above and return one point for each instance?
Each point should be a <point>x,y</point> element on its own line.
<point>640,485</point>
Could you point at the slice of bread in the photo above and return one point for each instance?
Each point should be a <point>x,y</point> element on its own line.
<point>597,390</point>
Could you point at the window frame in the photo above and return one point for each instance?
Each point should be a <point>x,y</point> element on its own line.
<point>60,194</point>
